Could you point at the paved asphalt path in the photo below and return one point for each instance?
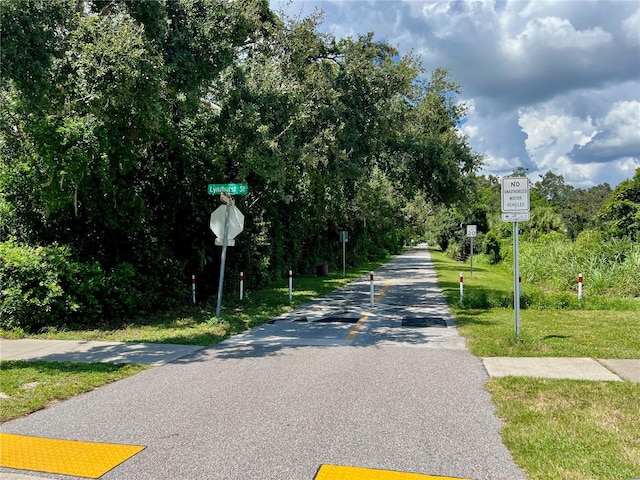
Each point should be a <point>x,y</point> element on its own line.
<point>282,399</point>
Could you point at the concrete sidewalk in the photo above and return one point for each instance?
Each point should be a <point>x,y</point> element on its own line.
<point>564,368</point>
<point>157,354</point>
<point>154,354</point>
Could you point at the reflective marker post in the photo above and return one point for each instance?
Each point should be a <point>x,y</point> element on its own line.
<point>580,287</point>
<point>290,285</point>
<point>344,238</point>
<point>371,288</point>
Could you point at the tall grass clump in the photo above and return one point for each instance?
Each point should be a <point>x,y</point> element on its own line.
<point>609,267</point>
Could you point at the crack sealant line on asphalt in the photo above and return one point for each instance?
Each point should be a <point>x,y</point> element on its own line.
<point>354,331</point>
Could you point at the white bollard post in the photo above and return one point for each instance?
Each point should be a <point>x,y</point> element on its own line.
<point>193,288</point>
<point>241,285</point>
<point>371,289</point>
<point>580,287</point>
<point>290,285</point>
<point>461,288</point>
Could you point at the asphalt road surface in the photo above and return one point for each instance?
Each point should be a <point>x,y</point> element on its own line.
<point>335,382</point>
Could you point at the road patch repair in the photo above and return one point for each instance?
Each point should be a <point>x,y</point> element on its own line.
<point>64,457</point>
<point>336,472</point>
<point>423,322</point>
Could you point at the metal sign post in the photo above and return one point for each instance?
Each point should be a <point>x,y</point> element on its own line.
<point>515,207</point>
<point>472,231</point>
<point>344,238</point>
<point>223,257</point>
<point>516,279</point>
<point>230,229</point>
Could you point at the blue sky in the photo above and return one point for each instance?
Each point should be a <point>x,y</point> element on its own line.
<point>550,85</point>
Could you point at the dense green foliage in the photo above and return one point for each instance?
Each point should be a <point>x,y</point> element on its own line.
<point>621,212</point>
<point>45,286</point>
<point>115,115</point>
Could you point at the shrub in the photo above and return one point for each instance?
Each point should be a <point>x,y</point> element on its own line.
<point>491,247</point>
<point>44,286</point>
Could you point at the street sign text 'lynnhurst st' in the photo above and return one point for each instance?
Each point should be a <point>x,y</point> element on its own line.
<point>228,188</point>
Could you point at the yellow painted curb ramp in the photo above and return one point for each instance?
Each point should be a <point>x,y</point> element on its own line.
<point>65,457</point>
<point>336,472</point>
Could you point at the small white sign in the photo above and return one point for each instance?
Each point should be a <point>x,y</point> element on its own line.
<point>472,230</point>
<point>231,242</point>
<point>516,217</point>
<point>515,194</point>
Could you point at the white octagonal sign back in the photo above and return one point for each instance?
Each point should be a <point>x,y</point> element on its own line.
<point>236,221</point>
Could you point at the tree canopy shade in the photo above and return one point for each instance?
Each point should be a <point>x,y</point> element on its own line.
<point>115,115</point>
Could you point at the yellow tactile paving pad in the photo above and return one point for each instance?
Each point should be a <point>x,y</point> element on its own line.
<point>65,457</point>
<point>335,472</point>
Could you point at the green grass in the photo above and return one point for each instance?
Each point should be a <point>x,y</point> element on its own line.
<point>555,429</point>
<point>486,317</point>
<point>31,386</point>
<point>569,429</point>
<point>551,333</point>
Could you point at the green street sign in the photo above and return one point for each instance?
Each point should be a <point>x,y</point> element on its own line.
<point>229,188</point>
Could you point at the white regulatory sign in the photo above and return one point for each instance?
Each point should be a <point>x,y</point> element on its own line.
<point>472,230</point>
<point>516,217</point>
<point>515,195</point>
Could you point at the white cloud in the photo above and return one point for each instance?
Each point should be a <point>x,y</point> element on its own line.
<point>559,34</point>
<point>553,131</point>
<point>500,166</point>
<point>618,136</point>
<point>583,150</point>
<point>624,122</point>
<point>631,28</point>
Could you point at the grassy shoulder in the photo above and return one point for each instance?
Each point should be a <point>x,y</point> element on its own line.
<point>555,429</point>
<point>30,386</point>
<point>551,324</point>
<point>561,429</point>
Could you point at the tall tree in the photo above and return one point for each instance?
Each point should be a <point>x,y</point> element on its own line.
<point>621,212</point>
<point>431,154</point>
<point>103,128</point>
<point>552,188</point>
